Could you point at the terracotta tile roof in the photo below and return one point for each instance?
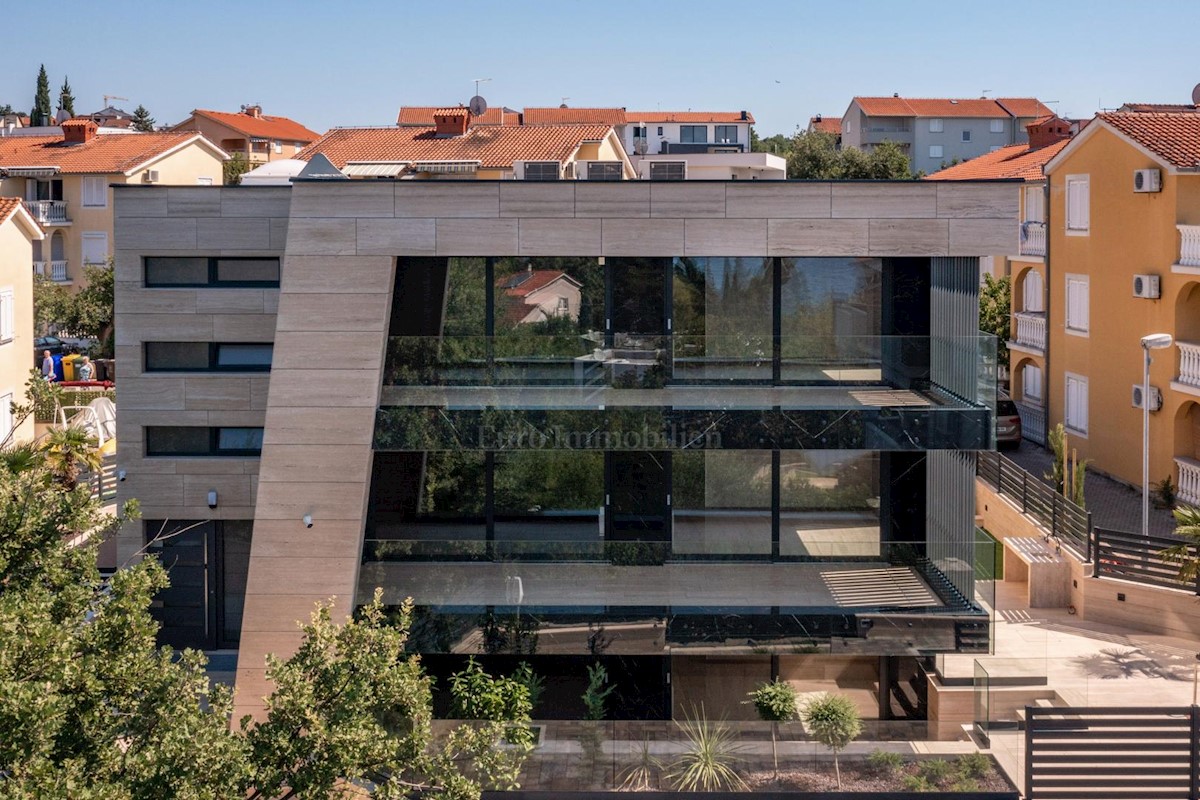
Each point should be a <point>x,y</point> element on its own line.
<point>422,116</point>
<point>574,116</point>
<point>451,111</point>
<point>263,127</point>
<point>1173,137</point>
<point>946,107</point>
<point>824,124</point>
<point>1152,108</point>
<point>8,207</point>
<point>1014,161</point>
<point>495,146</point>
<point>722,117</point>
<point>103,154</point>
<point>533,280</point>
<point>1025,106</point>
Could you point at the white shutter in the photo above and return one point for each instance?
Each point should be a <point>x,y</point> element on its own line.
<point>95,247</point>
<point>1035,204</point>
<point>1077,303</point>
<point>95,193</point>
<point>1032,292</point>
<point>7,309</point>
<point>1077,402</point>
<point>1031,380</point>
<point>1078,203</point>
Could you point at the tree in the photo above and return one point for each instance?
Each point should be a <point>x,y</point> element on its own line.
<point>833,720</point>
<point>595,697</point>
<point>234,168</point>
<point>41,113</point>
<point>1187,526</point>
<point>889,162</point>
<point>778,144</point>
<point>87,313</point>
<point>69,452</point>
<point>995,312</point>
<point>1073,470</point>
<point>775,702</point>
<point>66,100</point>
<point>814,156</point>
<point>141,119</point>
<point>90,708</point>
<point>6,109</point>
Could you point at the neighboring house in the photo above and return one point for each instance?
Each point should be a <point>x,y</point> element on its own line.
<point>934,132</point>
<point>1124,262</point>
<point>823,123</point>
<point>111,117</point>
<point>454,149</point>
<point>531,296</point>
<point>17,233</point>
<point>65,180</point>
<point>257,136</point>
<point>328,402</point>
<point>1024,261</point>
<point>422,116</point>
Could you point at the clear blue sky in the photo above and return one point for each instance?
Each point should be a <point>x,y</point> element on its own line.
<point>355,62</point>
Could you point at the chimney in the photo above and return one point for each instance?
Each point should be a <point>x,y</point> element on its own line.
<point>1047,131</point>
<point>451,121</point>
<point>253,111</point>
<point>745,117</point>
<point>78,130</point>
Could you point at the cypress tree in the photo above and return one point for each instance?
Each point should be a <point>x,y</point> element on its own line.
<point>40,115</point>
<point>66,100</point>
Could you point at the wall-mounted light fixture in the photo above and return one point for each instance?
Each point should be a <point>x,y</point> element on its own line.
<point>212,498</point>
<point>308,522</point>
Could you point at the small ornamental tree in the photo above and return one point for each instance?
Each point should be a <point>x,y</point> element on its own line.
<point>1187,526</point>
<point>66,100</point>
<point>832,720</point>
<point>596,695</point>
<point>41,112</point>
<point>141,120</point>
<point>775,702</point>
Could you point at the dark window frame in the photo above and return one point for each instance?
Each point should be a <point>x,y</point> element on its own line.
<point>213,280</point>
<point>605,171</point>
<point>731,135</point>
<point>659,166</point>
<point>214,449</point>
<point>687,134</point>
<point>214,364</point>
<point>542,169</point>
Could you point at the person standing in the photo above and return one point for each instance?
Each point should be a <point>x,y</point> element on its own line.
<point>47,366</point>
<point>86,370</point>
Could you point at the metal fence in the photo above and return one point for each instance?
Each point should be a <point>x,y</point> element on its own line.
<point>1069,523</point>
<point>1087,753</point>
<point>1133,557</point>
<point>104,480</point>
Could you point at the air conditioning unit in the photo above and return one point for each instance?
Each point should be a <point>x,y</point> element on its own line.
<point>1155,397</point>
<point>150,176</point>
<point>1147,180</point>
<point>1146,286</point>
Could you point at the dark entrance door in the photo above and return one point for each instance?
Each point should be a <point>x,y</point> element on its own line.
<point>639,485</point>
<point>185,609</point>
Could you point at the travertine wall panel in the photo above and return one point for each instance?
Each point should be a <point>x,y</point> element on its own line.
<point>798,201</point>
<point>968,235</point>
<point>615,199</point>
<point>325,274</point>
<point>543,237</point>
<point>230,301</point>
<point>686,199</point>
<point>550,199</point>
<point>387,237</point>
<point>724,237</point>
<point>908,237</point>
<point>973,200</point>
<point>870,200</point>
<point>441,199</point>
<point>638,237</point>
<point>330,237</point>
<point>304,311</point>
<point>477,237</point>
<point>832,237</point>
<point>356,199</point>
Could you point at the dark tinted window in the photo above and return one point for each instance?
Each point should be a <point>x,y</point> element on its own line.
<point>202,441</point>
<point>726,134</point>
<point>693,134</point>
<point>208,357</point>
<point>541,171</point>
<point>667,171</point>
<point>167,271</point>
<point>604,171</point>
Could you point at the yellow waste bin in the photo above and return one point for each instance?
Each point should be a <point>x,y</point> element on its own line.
<point>68,364</point>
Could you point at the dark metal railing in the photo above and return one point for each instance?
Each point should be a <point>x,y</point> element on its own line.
<point>1133,557</point>
<point>1071,524</point>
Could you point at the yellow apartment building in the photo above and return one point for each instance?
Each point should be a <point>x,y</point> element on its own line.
<point>257,136</point>
<point>17,233</point>
<point>1124,262</point>
<point>1025,262</point>
<point>65,182</point>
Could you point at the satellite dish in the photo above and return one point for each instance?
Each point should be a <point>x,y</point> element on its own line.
<point>640,146</point>
<point>1196,95</point>
<point>478,106</point>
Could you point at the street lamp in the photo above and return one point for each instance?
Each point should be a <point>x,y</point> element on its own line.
<point>1155,341</point>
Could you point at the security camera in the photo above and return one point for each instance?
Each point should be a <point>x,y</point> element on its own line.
<point>120,474</point>
<point>308,520</point>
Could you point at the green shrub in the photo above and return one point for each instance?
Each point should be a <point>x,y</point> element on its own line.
<point>935,770</point>
<point>884,761</point>
<point>965,785</point>
<point>915,783</point>
<point>973,765</point>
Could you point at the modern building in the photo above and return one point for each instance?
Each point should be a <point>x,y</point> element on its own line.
<point>702,433</point>
<point>1124,262</point>
<point>1023,262</point>
<point>18,231</point>
<point>256,136</point>
<point>65,179</point>
<point>935,132</point>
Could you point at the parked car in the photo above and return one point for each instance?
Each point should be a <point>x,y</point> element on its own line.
<point>1008,424</point>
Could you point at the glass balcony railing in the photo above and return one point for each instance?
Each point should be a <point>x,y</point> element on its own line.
<point>652,362</point>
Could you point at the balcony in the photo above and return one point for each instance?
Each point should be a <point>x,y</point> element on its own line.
<point>1033,238</point>
<point>1188,379</point>
<point>1189,250</point>
<point>1031,332</point>
<point>54,270</point>
<point>48,212</point>
<point>1189,480</point>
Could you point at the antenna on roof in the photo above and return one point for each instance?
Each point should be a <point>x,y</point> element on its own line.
<point>986,92</point>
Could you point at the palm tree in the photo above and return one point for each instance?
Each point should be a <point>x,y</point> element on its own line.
<point>69,452</point>
<point>1187,525</point>
<point>19,458</point>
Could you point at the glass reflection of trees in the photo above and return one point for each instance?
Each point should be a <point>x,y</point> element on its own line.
<point>722,310</point>
<point>829,315</point>
<point>722,502</point>
<point>829,503</point>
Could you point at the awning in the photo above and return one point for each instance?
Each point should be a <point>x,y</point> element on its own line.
<point>446,167</point>
<point>31,172</point>
<point>375,169</point>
